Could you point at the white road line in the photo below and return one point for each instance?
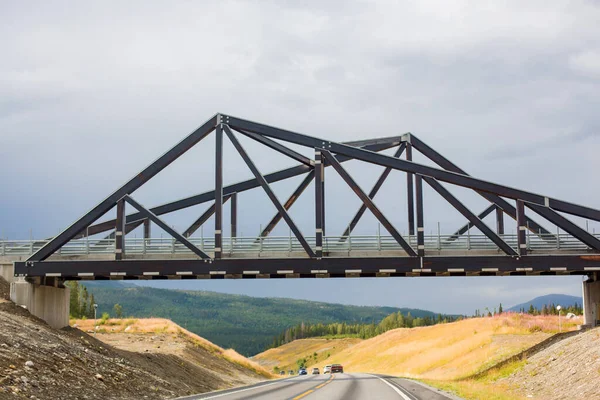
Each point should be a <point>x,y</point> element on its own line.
<point>400,392</point>
<point>240,391</point>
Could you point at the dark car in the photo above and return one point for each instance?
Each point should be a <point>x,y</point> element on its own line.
<point>337,368</point>
<point>302,371</point>
<point>290,372</point>
<point>281,372</point>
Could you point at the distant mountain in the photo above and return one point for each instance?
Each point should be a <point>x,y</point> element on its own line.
<point>547,300</point>
<point>247,324</point>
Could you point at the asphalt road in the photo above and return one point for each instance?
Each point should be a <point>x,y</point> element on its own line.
<point>330,387</point>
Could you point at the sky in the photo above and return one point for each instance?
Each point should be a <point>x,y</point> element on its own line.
<point>92,92</point>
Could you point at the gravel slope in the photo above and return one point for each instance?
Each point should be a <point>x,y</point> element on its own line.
<point>569,369</point>
<point>38,362</point>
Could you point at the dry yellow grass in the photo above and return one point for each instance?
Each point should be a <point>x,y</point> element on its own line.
<point>449,351</point>
<point>285,356</point>
<point>441,352</point>
<point>147,326</point>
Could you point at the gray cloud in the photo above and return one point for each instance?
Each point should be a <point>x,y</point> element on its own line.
<point>92,92</point>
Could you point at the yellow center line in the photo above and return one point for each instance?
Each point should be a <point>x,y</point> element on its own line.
<point>312,390</point>
<point>304,394</point>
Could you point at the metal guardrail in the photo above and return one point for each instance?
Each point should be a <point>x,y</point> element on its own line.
<point>284,244</point>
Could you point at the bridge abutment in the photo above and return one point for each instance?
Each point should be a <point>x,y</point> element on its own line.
<point>49,303</point>
<point>591,301</point>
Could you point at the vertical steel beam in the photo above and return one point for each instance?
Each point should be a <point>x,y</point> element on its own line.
<point>499,221</point>
<point>319,211</point>
<point>147,229</point>
<point>522,227</point>
<point>120,231</point>
<point>409,193</point>
<point>324,162</point>
<point>218,190</point>
<point>233,206</point>
<point>420,227</point>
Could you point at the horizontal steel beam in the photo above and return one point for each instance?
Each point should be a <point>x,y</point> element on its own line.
<point>311,267</point>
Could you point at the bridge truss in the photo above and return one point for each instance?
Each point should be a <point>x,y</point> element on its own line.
<point>313,259</point>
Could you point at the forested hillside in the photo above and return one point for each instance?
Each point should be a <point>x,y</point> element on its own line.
<point>247,324</point>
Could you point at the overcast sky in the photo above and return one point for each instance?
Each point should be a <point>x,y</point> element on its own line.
<point>92,92</point>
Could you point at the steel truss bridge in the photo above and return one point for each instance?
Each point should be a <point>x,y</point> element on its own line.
<point>534,250</point>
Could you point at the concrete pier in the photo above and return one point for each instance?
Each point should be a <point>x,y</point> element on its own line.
<point>591,301</point>
<point>49,303</point>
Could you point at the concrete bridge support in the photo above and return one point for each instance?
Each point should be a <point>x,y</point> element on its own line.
<point>591,301</point>
<point>49,303</point>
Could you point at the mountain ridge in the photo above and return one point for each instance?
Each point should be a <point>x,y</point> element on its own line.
<point>547,300</point>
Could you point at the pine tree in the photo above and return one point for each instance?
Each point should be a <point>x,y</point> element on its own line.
<point>500,309</point>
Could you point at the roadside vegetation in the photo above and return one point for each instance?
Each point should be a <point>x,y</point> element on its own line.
<point>363,331</point>
<point>446,355</point>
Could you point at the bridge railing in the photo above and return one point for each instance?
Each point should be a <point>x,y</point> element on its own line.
<point>289,244</point>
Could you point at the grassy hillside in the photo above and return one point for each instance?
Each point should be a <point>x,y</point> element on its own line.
<point>246,324</point>
<point>441,352</point>
<point>140,331</point>
<point>316,351</point>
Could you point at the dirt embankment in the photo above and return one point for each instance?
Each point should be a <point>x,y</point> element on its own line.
<point>569,369</point>
<point>38,362</point>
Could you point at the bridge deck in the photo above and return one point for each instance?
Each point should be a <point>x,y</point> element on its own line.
<point>284,257</point>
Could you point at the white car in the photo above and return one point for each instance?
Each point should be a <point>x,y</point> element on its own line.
<point>327,369</point>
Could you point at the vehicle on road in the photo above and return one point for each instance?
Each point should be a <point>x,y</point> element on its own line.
<point>315,371</point>
<point>302,371</point>
<point>337,368</point>
<point>282,373</point>
<point>290,372</point>
<point>327,369</point>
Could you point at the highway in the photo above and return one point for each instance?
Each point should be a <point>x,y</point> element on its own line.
<point>329,387</point>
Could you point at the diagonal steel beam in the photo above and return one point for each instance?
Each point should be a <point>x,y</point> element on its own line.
<point>368,202</point>
<point>237,187</point>
<point>500,202</point>
<point>468,225</point>
<point>289,203</point>
<point>372,193</point>
<point>269,192</point>
<point>566,225</point>
<point>407,166</point>
<point>202,219</point>
<point>461,208</point>
<point>151,216</point>
<point>280,148</point>
<point>82,223</point>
